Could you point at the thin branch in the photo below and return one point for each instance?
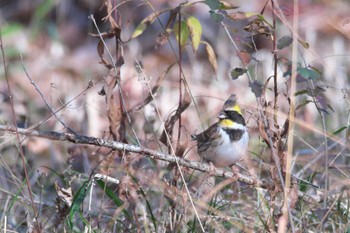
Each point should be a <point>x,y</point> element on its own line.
<point>115,145</point>
<point>42,96</point>
<point>90,84</point>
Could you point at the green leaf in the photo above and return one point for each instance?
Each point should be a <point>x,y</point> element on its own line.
<point>284,42</point>
<point>213,4</point>
<point>341,129</point>
<point>181,36</point>
<point>43,9</point>
<point>301,92</point>
<point>211,56</point>
<point>236,72</point>
<point>195,28</point>
<point>11,28</point>
<point>308,73</point>
<point>217,17</point>
<point>304,185</point>
<point>111,194</point>
<point>305,102</point>
<point>314,74</point>
<point>78,200</point>
<point>139,30</point>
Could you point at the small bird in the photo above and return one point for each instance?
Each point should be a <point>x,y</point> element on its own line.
<point>224,143</point>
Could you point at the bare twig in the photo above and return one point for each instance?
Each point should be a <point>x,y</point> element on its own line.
<point>91,84</point>
<point>42,96</point>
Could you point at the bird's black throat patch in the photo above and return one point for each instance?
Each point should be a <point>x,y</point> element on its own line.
<point>235,134</point>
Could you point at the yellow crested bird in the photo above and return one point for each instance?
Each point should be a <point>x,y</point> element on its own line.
<point>225,142</point>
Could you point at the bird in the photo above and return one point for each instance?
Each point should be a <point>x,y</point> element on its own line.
<point>225,142</point>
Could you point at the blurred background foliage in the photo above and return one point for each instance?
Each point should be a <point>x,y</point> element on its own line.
<point>54,40</point>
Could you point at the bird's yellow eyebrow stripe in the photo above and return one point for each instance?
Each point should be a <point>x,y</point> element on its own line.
<point>235,108</point>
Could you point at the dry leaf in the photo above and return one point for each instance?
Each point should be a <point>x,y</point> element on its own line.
<point>211,56</point>
<point>244,57</point>
<point>64,194</point>
<point>257,27</point>
<point>63,203</point>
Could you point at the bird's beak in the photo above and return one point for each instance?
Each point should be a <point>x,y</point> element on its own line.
<point>222,115</point>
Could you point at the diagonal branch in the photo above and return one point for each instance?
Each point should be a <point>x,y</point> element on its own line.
<point>115,145</point>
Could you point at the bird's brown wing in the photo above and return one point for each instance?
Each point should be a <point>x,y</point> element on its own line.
<point>209,134</point>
